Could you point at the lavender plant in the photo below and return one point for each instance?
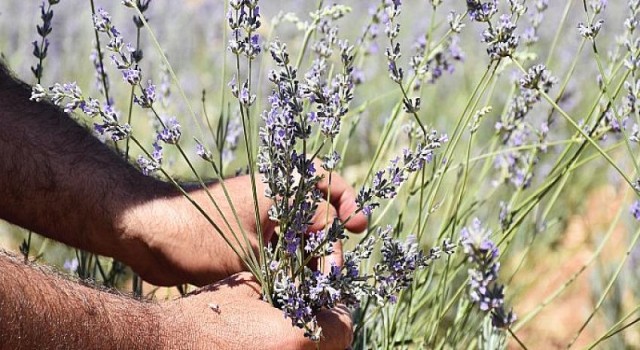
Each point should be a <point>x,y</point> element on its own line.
<point>471,129</point>
<point>291,179</point>
<point>484,290</point>
<point>40,50</point>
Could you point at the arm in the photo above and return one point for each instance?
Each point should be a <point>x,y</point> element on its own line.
<point>58,180</point>
<point>41,310</point>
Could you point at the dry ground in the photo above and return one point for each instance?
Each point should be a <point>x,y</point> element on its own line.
<point>558,323</point>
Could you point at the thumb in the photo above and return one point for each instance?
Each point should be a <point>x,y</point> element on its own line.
<point>334,258</point>
<point>323,216</point>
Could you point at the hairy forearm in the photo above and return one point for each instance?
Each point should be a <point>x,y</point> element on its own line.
<point>58,180</point>
<point>40,310</point>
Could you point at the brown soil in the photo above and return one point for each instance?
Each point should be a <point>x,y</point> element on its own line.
<point>558,323</point>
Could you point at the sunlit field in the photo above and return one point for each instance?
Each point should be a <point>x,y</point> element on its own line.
<point>493,146</point>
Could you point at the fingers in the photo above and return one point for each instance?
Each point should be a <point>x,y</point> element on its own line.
<point>343,198</point>
<point>334,258</point>
<point>337,328</point>
<point>232,315</point>
<point>325,214</point>
<point>323,217</point>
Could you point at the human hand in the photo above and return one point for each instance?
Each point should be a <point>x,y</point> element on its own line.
<point>182,246</point>
<point>230,315</point>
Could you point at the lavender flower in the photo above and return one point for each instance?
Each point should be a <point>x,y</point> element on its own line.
<point>38,93</point>
<point>143,6</point>
<point>455,22</point>
<point>41,48</point>
<point>150,166</point>
<point>320,243</point>
<point>322,288</point>
<point>291,300</point>
<point>386,182</point>
<point>72,95</point>
<point>441,61</point>
<point>170,132</point>
<point>331,100</point>
<point>448,246</point>
<point>111,126</point>
<point>315,241</point>
<point>244,96</point>
<point>323,47</point>
<point>399,262</point>
<point>590,31</point>
<point>148,96</point>
<point>102,21</point>
<point>538,78</point>
<point>392,29</point>
<point>501,39</point>
<point>277,157</point>
<point>244,20</point>
<point>124,56</point>
<point>288,174</point>
<point>501,318</point>
<point>635,210</point>
<point>202,152</point>
<point>301,299</point>
<point>232,136</point>
<point>71,265</point>
<point>482,11</point>
<point>58,93</point>
<point>131,75</point>
<point>330,161</point>
<point>482,254</point>
<point>516,167</point>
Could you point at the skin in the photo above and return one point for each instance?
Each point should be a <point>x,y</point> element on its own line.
<point>58,180</point>
<point>42,310</point>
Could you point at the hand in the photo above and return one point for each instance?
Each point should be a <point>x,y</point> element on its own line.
<point>182,246</point>
<point>109,208</point>
<point>230,315</point>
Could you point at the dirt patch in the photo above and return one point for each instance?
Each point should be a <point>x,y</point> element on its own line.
<point>557,324</point>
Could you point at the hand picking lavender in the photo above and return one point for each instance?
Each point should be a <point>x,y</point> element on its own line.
<point>320,175</point>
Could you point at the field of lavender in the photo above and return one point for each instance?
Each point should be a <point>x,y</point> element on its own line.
<point>493,146</point>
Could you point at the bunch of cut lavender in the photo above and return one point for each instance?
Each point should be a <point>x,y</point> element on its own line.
<point>286,161</point>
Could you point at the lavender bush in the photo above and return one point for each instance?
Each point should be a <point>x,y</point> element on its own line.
<point>471,129</point>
